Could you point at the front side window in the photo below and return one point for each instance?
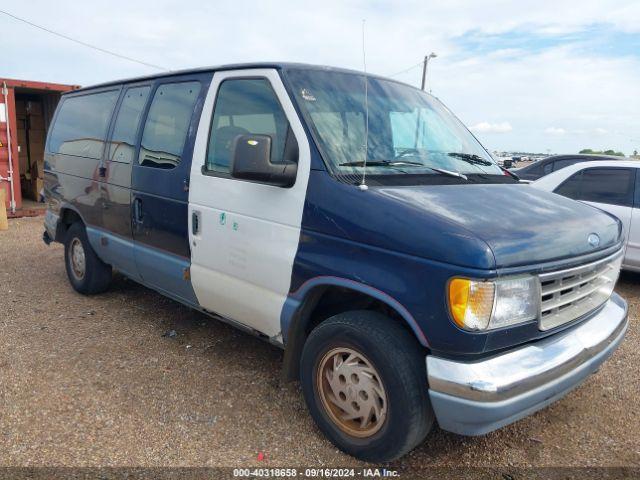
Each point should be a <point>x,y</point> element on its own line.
<point>81,124</point>
<point>409,132</point>
<point>123,139</point>
<point>245,106</point>
<point>608,185</point>
<point>167,124</point>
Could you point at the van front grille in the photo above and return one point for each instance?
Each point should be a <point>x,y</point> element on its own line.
<point>572,293</point>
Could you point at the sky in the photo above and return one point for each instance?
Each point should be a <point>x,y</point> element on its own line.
<point>535,76</point>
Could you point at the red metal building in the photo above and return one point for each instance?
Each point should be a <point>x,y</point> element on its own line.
<point>26,110</point>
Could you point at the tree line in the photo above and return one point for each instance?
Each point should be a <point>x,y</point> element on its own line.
<point>605,152</point>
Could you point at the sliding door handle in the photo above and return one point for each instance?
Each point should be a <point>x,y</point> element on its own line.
<point>137,211</point>
<point>195,222</point>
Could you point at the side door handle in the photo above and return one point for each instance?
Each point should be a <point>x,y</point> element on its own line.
<point>195,222</point>
<point>137,211</point>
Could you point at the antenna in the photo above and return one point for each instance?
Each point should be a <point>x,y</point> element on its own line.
<point>363,185</point>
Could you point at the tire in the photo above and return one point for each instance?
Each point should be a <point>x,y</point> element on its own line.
<point>385,357</point>
<point>87,273</point>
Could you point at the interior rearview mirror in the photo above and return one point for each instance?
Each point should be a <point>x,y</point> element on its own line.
<point>251,160</point>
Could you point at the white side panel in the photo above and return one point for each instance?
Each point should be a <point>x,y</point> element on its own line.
<point>632,255</point>
<point>242,256</point>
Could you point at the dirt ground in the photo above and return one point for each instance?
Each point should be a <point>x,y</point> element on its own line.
<point>97,381</point>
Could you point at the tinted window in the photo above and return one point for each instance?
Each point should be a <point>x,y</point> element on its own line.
<point>547,168</point>
<point>571,186</point>
<point>534,168</point>
<point>81,124</point>
<point>558,164</point>
<point>165,130</point>
<point>608,185</point>
<point>123,140</point>
<point>245,107</point>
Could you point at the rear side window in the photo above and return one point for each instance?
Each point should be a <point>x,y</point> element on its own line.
<point>123,139</point>
<point>571,186</point>
<point>165,130</point>
<point>245,107</point>
<point>81,124</point>
<point>558,164</point>
<point>532,169</point>
<point>608,185</point>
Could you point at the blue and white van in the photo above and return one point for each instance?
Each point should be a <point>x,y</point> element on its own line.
<point>351,220</point>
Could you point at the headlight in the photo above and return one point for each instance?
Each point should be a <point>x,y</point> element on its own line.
<point>484,305</point>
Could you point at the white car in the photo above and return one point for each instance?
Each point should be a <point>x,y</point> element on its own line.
<point>610,186</point>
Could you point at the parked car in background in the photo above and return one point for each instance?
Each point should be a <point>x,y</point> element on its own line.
<point>554,163</point>
<point>611,186</point>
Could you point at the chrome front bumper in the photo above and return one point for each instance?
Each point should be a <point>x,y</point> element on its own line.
<point>474,398</point>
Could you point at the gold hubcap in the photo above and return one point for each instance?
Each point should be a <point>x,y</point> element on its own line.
<point>351,392</point>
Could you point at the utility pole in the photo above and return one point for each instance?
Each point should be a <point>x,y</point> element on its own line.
<point>424,68</point>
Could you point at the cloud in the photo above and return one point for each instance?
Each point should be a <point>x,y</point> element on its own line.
<point>486,127</point>
<point>554,64</point>
<point>555,131</point>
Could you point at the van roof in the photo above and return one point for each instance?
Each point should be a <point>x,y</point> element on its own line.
<point>232,66</point>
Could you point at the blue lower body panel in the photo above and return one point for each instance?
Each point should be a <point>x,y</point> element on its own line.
<point>114,250</point>
<point>165,272</point>
<point>150,266</point>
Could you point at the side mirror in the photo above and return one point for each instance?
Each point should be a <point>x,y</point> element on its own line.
<point>252,161</point>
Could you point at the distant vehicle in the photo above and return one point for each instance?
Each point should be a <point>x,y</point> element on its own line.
<point>554,163</point>
<point>504,162</point>
<point>612,186</point>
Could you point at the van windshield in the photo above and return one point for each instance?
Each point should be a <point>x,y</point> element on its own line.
<point>410,132</point>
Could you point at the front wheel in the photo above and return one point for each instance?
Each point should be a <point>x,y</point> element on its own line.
<point>364,381</point>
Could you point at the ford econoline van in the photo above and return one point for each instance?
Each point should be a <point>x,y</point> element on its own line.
<point>351,220</point>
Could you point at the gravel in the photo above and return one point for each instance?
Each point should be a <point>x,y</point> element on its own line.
<point>132,378</point>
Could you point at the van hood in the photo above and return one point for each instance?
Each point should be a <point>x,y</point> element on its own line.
<point>519,224</point>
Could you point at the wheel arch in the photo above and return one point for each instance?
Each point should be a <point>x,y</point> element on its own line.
<point>68,216</point>
<point>313,303</point>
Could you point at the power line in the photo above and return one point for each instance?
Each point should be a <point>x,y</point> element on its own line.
<point>406,69</point>
<point>84,44</point>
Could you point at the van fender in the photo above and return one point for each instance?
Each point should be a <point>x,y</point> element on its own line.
<point>293,324</point>
<point>60,229</point>
<point>92,232</point>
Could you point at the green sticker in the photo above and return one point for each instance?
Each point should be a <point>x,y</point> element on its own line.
<point>223,218</point>
<point>235,225</point>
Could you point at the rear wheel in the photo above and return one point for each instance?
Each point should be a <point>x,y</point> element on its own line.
<point>364,380</point>
<point>87,273</point>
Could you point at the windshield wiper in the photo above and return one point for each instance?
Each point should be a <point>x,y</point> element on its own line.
<point>451,173</point>
<point>471,158</point>
<point>399,163</point>
<point>380,163</point>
